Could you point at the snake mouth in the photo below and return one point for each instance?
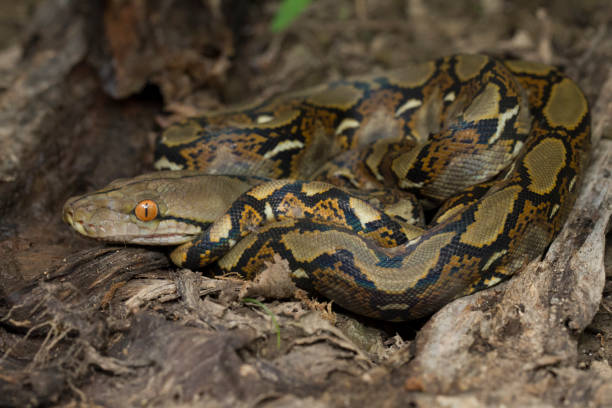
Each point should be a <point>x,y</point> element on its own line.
<point>161,239</point>
<point>124,231</point>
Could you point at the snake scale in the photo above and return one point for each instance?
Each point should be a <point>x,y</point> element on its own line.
<point>336,179</point>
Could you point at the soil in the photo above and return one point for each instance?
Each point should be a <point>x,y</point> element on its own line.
<point>85,89</point>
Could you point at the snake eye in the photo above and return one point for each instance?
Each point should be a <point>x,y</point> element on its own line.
<point>146,210</point>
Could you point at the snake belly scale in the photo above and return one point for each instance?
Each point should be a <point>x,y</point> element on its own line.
<point>335,179</point>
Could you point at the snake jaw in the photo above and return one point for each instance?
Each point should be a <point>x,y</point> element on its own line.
<point>95,218</point>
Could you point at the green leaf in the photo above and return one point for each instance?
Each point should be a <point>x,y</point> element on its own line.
<point>269,313</point>
<point>288,11</point>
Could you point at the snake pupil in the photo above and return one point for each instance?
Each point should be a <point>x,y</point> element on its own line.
<point>146,210</point>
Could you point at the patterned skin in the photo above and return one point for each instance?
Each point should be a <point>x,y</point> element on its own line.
<point>332,179</point>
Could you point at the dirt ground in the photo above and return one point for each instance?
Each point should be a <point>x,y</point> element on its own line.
<point>85,88</point>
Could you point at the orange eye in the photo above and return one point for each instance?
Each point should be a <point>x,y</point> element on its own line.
<point>146,210</point>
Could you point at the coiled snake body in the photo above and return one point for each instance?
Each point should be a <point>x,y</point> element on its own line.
<point>331,179</point>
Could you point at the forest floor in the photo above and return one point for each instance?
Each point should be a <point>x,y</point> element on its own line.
<point>85,89</point>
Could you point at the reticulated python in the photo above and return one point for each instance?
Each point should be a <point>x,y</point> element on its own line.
<point>331,179</point>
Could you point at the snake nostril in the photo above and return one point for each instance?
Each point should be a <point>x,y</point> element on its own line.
<point>68,215</point>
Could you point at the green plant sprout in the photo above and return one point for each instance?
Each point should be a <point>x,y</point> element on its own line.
<point>287,12</point>
<point>269,313</point>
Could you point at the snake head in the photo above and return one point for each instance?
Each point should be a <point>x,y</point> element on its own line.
<point>163,208</point>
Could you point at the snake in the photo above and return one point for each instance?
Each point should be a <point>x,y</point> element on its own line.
<point>390,194</point>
